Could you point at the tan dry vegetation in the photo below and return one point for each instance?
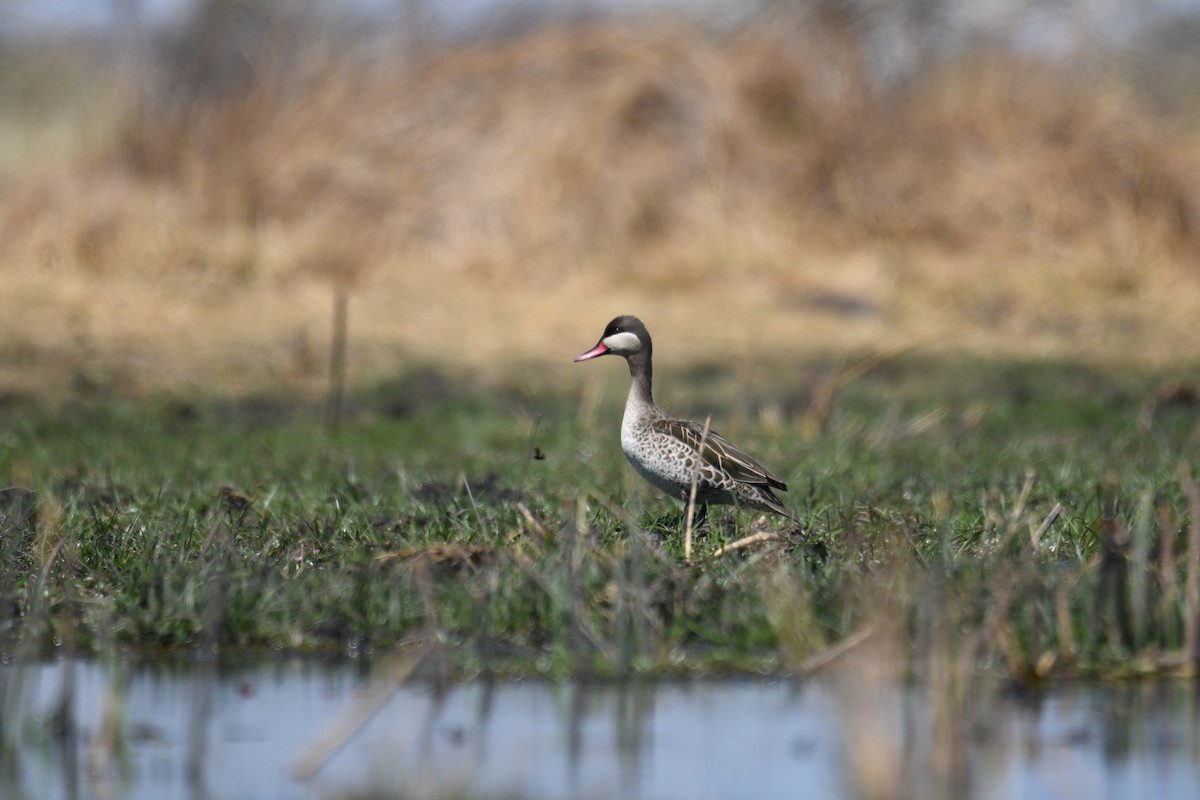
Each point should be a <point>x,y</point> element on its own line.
<point>499,202</point>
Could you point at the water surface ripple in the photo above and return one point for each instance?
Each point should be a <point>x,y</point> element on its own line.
<point>189,731</point>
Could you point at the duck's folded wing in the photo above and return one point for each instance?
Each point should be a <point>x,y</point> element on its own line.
<point>720,452</point>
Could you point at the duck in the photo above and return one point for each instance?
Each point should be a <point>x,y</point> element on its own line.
<point>670,453</point>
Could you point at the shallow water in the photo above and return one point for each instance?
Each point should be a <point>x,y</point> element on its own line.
<point>246,729</point>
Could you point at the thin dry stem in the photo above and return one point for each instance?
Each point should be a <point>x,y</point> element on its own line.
<point>337,358</point>
<point>1191,632</point>
<point>1015,516</point>
<point>691,504</point>
<point>378,691</point>
<point>746,541</point>
<point>1055,513</point>
<point>1062,609</point>
<point>533,524</point>
<point>1168,586</point>
<point>1140,557</point>
<point>985,634</point>
<point>818,661</point>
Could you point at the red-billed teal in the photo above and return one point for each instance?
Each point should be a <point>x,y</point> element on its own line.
<point>664,450</point>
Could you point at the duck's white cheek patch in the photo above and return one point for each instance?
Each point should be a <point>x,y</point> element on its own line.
<point>625,342</point>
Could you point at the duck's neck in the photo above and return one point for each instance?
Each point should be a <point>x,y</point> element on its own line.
<point>640,370</point>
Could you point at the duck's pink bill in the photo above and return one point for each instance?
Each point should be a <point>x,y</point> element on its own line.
<point>598,350</point>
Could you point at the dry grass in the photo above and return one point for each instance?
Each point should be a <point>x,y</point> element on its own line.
<point>500,201</point>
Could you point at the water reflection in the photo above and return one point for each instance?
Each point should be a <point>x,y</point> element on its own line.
<point>187,731</point>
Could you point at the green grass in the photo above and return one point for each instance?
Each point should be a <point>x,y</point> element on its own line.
<point>919,488</point>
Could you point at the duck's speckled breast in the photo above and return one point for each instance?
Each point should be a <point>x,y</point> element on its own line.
<point>663,460</point>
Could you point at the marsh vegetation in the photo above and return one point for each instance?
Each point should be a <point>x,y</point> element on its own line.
<point>967,509</point>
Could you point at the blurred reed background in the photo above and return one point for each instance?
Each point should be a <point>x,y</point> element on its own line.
<point>185,191</point>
